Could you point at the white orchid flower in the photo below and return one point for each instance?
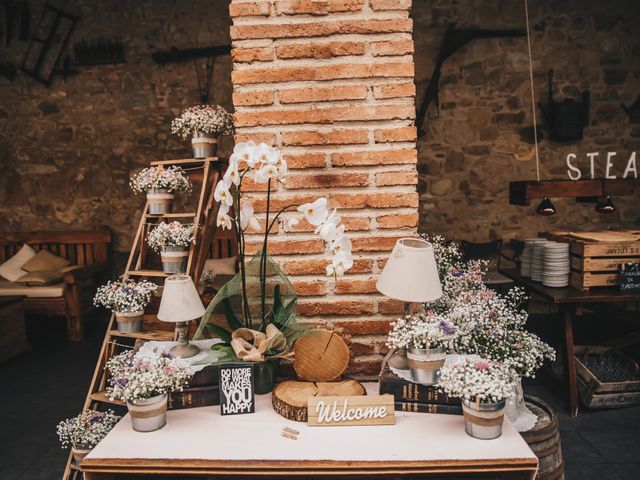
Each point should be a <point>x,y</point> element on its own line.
<point>333,218</point>
<point>222,194</point>
<point>223,220</point>
<point>267,155</point>
<point>283,167</point>
<point>340,263</point>
<point>330,232</point>
<point>293,222</point>
<point>244,152</point>
<point>315,212</point>
<point>232,175</point>
<point>341,246</point>
<point>265,173</point>
<point>247,218</point>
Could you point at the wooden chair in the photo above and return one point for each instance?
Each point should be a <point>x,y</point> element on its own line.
<point>88,252</point>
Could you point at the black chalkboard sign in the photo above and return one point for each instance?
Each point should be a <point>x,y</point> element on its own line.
<point>236,389</point>
<point>630,278</point>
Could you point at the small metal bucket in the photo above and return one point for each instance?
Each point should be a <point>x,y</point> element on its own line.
<point>425,364</point>
<point>483,420</point>
<point>160,201</point>
<point>129,322</point>
<point>148,414</point>
<point>79,452</point>
<point>204,145</point>
<point>174,259</point>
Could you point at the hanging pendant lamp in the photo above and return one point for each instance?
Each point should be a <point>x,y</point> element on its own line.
<point>546,208</point>
<point>605,206</point>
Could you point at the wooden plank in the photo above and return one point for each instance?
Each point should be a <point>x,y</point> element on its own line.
<point>351,410</point>
<point>66,237</point>
<point>147,273</point>
<point>172,215</point>
<point>184,161</point>
<point>587,280</point>
<point>590,264</point>
<point>605,249</point>
<point>522,192</point>
<point>103,397</point>
<point>159,335</point>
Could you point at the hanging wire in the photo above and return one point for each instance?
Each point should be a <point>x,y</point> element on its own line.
<point>533,95</point>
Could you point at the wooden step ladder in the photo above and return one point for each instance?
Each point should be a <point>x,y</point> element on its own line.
<point>205,173</point>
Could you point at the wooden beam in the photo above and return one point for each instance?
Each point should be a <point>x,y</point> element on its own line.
<point>522,192</point>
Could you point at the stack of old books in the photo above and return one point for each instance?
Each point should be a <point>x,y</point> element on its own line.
<point>413,397</point>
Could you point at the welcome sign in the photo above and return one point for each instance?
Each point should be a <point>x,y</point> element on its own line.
<point>236,389</point>
<point>351,410</point>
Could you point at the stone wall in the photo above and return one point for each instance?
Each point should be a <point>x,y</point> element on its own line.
<point>475,146</point>
<point>66,152</point>
<point>331,84</point>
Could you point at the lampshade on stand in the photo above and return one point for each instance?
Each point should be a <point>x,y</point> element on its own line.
<point>411,273</point>
<point>180,304</point>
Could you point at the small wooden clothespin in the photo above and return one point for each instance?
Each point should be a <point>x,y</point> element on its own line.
<point>290,433</point>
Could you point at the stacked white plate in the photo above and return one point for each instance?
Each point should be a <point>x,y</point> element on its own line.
<point>537,260</point>
<point>527,255</point>
<point>555,264</point>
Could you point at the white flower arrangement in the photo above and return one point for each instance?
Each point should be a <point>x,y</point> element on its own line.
<point>135,377</point>
<point>209,119</point>
<point>172,179</point>
<point>125,295</point>
<point>87,429</point>
<point>428,330</point>
<point>478,380</point>
<point>173,234</point>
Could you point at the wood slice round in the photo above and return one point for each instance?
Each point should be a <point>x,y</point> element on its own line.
<point>290,397</point>
<point>320,356</point>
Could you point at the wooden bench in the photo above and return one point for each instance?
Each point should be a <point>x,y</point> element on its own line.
<point>88,250</point>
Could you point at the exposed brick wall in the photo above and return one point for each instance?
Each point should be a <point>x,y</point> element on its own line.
<point>331,84</point>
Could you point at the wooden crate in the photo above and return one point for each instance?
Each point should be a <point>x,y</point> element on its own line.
<point>595,393</point>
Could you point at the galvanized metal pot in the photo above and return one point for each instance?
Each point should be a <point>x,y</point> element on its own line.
<point>79,452</point>
<point>174,259</point>
<point>483,420</point>
<point>129,322</point>
<point>204,145</point>
<point>425,364</point>
<point>160,201</point>
<point>148,414</point>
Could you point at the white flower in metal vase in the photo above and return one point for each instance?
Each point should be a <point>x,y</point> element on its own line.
<point>315,212</point>
<point>222,194</point>
<point>247,218</point>
<point>244,152</point>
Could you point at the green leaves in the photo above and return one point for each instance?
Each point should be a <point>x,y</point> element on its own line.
<point>233,321</point>
<point>219,332</point>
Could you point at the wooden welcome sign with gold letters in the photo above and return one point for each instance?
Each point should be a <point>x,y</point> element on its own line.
<point>351,410</point>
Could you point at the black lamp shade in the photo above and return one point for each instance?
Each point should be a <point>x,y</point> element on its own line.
<point>605,206</point>
<point>546,208</point>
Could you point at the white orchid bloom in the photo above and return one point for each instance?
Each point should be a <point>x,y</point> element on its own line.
<point>293,222</point>
<point>265,173</point>
<point>244,152</point>
<point>330,232</point>
<point>267,155</point>
<point>283,167</point>
<point>333,218</point>
<point>315,212</point>
<point>232,175</point>
<point>222,194</point>
<point>223,220</point>
<point>341,246</point>
<point>340,264</point>
<point>247,218</point>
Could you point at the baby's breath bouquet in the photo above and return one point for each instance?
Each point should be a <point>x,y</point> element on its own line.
<point>87,429</point>
<point>478,380</point>
<point>422,331</point>
<point>173,234</point>
<point>208,119</point>
<point>135,377</point>
<point>171,179</point>
<point>125,295</point>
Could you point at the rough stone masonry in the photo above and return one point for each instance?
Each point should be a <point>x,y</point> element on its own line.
<point>331,84</point>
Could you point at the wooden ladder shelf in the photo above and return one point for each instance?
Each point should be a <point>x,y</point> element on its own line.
<point>205,173</point>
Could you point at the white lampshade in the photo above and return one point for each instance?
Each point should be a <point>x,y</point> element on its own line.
<point>180,300</point>
<point>411,273</point>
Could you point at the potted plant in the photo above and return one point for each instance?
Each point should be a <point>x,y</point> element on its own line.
<point>204,124</point>
<point>127,299</point>
<point>160,184</point>
<point>172,241</point>
<point>483,386</point>
<point>144,382</point>
<point>85,431</point>
<point>254,313</point>
<point>427,337</point>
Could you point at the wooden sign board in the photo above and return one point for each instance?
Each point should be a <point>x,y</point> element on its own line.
<point>236,389</point>
<point>630,278</point>
<point>351,410</point>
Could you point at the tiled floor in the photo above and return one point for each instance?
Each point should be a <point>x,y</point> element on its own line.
<point>48,384</point>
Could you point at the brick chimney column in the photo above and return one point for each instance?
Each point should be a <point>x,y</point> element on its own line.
<point>330,82</point>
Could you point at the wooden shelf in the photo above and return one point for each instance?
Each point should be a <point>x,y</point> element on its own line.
<point>147,273</point>
<point>103,397</point>
<point>172,215</point>
<point>522,192</point>
<point>185,160</point>
<point>159,335</point>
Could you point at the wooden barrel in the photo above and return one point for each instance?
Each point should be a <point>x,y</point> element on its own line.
<point>544,440</point>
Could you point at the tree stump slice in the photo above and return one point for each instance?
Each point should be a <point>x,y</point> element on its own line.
<point>289,399</point>
<point>320,356</point>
